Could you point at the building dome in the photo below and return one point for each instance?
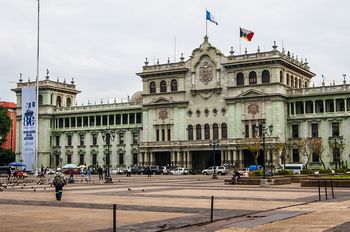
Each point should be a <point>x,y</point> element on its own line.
<point>136,98</point>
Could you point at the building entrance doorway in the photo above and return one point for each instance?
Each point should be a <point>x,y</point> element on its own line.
<point>162,158</point>
<point>205,159</point>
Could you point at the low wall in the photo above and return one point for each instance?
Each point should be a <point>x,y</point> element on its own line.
<point>327,182</point>
<point>276,180</point>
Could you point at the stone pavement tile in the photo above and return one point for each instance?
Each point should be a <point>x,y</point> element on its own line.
<point>44,218</point>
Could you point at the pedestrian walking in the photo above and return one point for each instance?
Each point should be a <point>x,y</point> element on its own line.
<point>9,174</point>
<point>100,173</point>
<point>58,181</point>
<point>149,172</point>
<point>88,175</point>
<point>128,172</point>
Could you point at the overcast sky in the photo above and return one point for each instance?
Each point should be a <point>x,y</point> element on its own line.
<point>103,43</point>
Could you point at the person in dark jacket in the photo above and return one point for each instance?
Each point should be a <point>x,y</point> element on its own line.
<point>100,173</point>
<point>58,181</point>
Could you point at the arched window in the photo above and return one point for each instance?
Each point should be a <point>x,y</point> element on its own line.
<point>58,101</point>
<point>206,131</point>
<point>292,81</point>
<point>190,132</point>
<point>68,102</point>
<point>252,78</point>
<point>163,86</point>
<point>174,85</point>
<point>300,83</point>
<point>152,87</point>
<point>288,80</point>
<point>215,131</point>
<point>265,76</point>
<point>240,79</point>
<point>224,131</point>
<point>40,100</point>
<point>198,132</point>
<point>281,76</point>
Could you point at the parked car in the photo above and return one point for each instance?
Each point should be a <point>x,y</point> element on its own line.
<point>179,171</point>
<point>117,171</point>
<point>137,170</point>
<point>295,168</point>
<point>220,170</point>
<point>165,170</point>
<point>156,170</point>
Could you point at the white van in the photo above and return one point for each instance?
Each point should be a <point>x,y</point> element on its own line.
<point>296,168</point>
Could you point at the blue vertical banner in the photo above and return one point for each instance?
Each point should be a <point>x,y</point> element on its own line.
<point>29,108</point>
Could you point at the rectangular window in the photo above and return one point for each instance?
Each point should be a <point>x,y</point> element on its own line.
<point>111,119</point>
<point>81,139</point>
<point>86,121</point>
<point>246,131</point>
<point>60,123</point>
<point>253,130</point>
<point>138,117</point>
<point>81,159</point>
<point>295,131</point>
<point>69,140</point>
<point>163,134</point>
<point>72,122</point>
<point>296,155</point>
<point>315,158</point>
<point>157,134</point>
<point>169,135</point>
<point>94,159</point>
<point>125,119</point>
<point>92,121</point>
<point>98,120</point>
<point>121,138</point>
<point>69,159</point>
<point>292,108</point>
<point>117,119</point>
<point>134,158</point>
<point>314,130</point>
<point>104,120</point>
<point>132,118</point>
<point>94,139</point>
<point>79,121</point>
<point>335,129</point>
<point>121,158</point>
<point>66,122</point>
<point>57,140</point>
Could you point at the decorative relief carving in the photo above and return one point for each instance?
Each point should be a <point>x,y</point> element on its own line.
<point>253,109</point>
<point>163,114</point>
<point>206,73</point>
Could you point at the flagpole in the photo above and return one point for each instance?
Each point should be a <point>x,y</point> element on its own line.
<point>206,24</point>
<point>37,97</point>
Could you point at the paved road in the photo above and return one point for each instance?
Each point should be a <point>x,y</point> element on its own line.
<point>180,203</point>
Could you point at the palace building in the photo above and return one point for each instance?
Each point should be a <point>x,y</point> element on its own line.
<point>185,106</point>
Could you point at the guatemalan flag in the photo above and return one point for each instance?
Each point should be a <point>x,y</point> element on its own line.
<point>211,18</point>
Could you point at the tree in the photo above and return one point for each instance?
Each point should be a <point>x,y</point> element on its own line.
<point>337,149</point>
<point>279,150</point>
<point>309,146</point>
<point>5,124</point>
<point>6,156</point>
<point>254,145</point>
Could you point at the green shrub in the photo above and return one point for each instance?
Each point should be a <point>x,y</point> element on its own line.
<point>325,171</point>
<point>306,171</point>
<point>257,173</point>
<point>340,171</point>
<point>285,172</point>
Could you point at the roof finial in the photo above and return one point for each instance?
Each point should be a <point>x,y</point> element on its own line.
<point>20,77</point>
<point>232,52</point>
<point>344,76</point>
<point>182,57</point>
<point>58,79</point>
<point>283,50</point>
<point>47,74</point>
<point>258,49</point>
<point>72,81</point>
<point>245,51</point>
<point>168,60</point>
<point>274,45</point>
<point>64,80</point>
<point>288,54</point>
<point>313,84</point>
<point>146,62</point>
<point>157,61</point>
<point>28,79</point>
<point>101,101</point>
<point>323,83</point>
<point>306,63</point>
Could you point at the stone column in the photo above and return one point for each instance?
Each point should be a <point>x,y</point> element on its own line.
<point>240,158</point>
<point>178,158</point>
<point>346,104</point>
<point>324,107</point>
<point>152,158</point>
<point>313,106</point>
<point>189,159</point>
<point>222,153</point>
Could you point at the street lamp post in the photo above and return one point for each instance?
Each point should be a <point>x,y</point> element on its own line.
<point>108,135</point>
<point>337,145</point>
<point>214,144</point>
<point>265,131</point>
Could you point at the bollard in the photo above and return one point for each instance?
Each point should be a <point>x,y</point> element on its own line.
<point>332,188</point>
<point>319,190</point>
<point>114,217</point>
<point>212,209</point>
<point>325,189</point>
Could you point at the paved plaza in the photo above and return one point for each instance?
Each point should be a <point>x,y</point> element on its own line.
<point>179,203</point>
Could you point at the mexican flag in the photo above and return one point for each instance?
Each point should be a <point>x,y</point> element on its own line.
<point>246,34</point>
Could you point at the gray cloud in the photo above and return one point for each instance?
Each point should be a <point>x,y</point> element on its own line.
<point>102,44</point>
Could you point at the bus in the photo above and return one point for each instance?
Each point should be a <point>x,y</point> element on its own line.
<point>296,168</point>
